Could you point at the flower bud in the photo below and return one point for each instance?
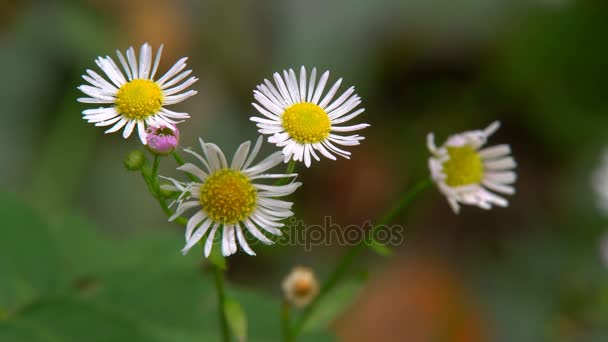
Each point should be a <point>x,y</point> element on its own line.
<point>300,286</point>
<point>135,160</point>
<point>162,140</point>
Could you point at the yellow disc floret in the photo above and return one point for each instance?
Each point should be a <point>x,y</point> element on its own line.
<point>464,166</point>
<point>227,196</point>
<point>306,123</point>
<point>139,99</point>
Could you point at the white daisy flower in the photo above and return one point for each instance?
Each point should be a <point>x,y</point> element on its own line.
<point>229,198</point>
<point>301,121</point>
<point>465,173</point>
<point>600,183</point>
<point>135,98</point>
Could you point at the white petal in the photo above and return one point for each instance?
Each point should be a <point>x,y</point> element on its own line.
<point>243,241</point>
<point>495,151</point>
<point>500,164</point>
<point>210,238</point>
<point>254,152</point>
<point>240,155</point>
<point>156,61</point>
<point>193,170</point>
<point>311,84</point>
<point>320,87</point>
<point>330,94</point>
<point>194,222</point>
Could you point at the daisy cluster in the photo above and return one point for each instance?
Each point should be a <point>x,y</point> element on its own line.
<point>298,112</point>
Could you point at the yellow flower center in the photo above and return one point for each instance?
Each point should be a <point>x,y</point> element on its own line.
<point>306,123</point>
<point>139,99</point>
<point>464,166</point>
<point>228,196</point>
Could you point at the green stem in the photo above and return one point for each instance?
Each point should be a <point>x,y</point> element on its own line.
<point>405,201</point>
<point>151,179</point>
<point>179,160</point>
<point>348,259</point>
<point>285,321</point>
<point>154,176</point>
<point>291,166</point>
<point>221,297</point>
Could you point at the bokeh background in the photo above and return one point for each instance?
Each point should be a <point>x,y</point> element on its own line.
<point>85,254</point>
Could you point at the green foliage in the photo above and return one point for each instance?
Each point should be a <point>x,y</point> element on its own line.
<point>64,281</point>
<point>336,302</point>
<point>236,319</point>
<point>30,265</point>
<point>379,248</point>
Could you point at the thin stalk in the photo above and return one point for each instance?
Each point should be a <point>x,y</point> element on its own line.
<point>179,160</point>
<point>291,166</point>
<point>221,298</point>
<point>286,321</point>
<point>151,179</point>
<point>350,256</point>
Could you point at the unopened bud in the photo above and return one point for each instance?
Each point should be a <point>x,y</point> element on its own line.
<point>135,160</point>
<point>301,286</point>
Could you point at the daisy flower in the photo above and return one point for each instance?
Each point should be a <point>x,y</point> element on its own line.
<point>467,173</point>
<point>301,121</point>
<point>135,98</point>
<point>599,182</point>
<point>229,198</point>
<point>301,286</point>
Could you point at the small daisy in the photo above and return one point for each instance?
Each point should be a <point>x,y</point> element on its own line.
<point>301,121</point>
<point>229,198</point>
<point>600,183</point>
<point>135,98</point>
<point>465,173</point>
<point>301,286</point>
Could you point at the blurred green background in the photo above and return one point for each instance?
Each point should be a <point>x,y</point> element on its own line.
<point>86,255</point>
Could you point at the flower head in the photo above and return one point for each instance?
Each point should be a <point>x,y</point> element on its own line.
<point>599,182</point>
<point>302,122</point>
<point>162,140</point>
<point>301,286</point>
<point>465,173</point>
<point>135,98</point>
<point>229,197</point>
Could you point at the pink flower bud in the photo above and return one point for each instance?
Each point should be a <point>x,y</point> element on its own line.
<point>163,139</point>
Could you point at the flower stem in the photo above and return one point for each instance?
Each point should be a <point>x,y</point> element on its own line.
<point>291,166</point>
<point>180,161</point>
<point>151,179</point>
<point>347,260</point>
<point>221,298</point>
<point>285,321</point>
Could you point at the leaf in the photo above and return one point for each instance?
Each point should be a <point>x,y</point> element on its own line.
<point>29,262</point>
<point>71,319</point>
<point>334,303</point>
<point>381,249</point>
<point>176,299</point>
<point>237,321</point>
<point>86,250</point>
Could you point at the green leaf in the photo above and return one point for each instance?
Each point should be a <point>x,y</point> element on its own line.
<point>334,303</point>
<point>87,251</point>
<point>70,319</point>
<point>168,300</point>
<point>237,321</point>
<point>29,263</point>
<point>381,249</point>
